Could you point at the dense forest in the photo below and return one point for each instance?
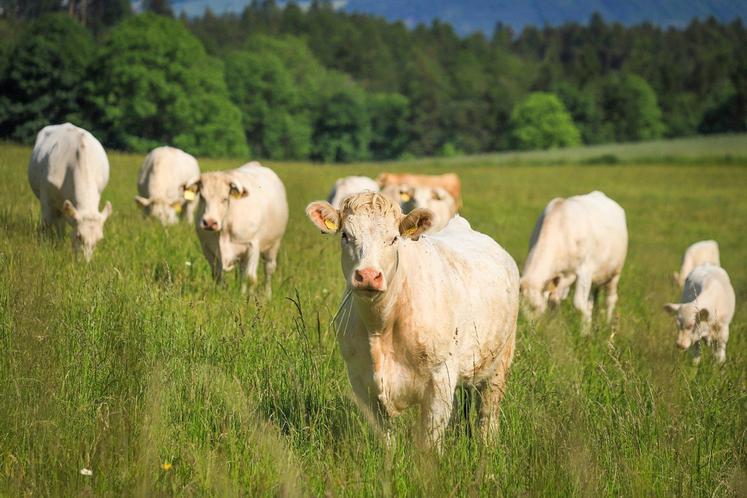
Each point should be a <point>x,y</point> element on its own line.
<point>291,83</point>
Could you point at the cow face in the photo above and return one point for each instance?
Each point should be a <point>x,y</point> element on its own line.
<point>88,228</point>
<point>371,228</point>
<point>167,212</point>
<point>692,323</point>
<point>216,191</point>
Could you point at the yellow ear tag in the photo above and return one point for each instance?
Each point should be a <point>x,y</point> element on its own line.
<point>404,197</point>
<point>331,225</point>
<point>189,195</point>
<point>410,231</point>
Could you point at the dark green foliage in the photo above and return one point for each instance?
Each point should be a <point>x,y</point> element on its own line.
<point>266,82</point>
<point>541,121</point>
<point>629,107</point>
<point>44,77</point>
<point>420,91</point>
<point>389,127</point>
<point>155,85</point>
<point>342,127</point>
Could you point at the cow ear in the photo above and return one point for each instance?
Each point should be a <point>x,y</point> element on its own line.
<point>107,211</point>
<point>142,201</point>
<point>191,188</point>
<point>324,216</point>
<point>552,284</point>
<point>672,308</point>
<point>69,211</point>
<point>703,315</point>
<point>414,224</point>
<point>237,190</point>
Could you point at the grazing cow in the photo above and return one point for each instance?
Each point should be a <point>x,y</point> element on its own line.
<point>700,253</point>
<point>581,239</point>
<point>705,310</point>
<point>350,185</point>
<point>68,171</point>
<point>161,181</point>
<point>241,215</point>
<point>436,199</point>
<point>449,182</point>
<point>421,315</point>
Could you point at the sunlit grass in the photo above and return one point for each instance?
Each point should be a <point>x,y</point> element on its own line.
<point>138,360</point>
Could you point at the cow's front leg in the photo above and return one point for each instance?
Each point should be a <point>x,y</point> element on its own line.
<point>581,299</point>
<point>249,265</point>
<point>612,296</point>
<point>695,349</point>
<point>721,340</point>
<point>435,410</point>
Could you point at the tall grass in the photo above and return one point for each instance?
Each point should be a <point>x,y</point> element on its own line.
<point>138,361</point>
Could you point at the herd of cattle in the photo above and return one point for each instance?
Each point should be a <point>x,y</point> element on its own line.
<point>430,303</point>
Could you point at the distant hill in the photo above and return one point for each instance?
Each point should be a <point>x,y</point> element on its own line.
<point>481,15</point>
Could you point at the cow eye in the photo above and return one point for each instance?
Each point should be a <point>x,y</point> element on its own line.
<point>394,240</point>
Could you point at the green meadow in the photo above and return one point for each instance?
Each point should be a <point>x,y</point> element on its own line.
<point>140,369</point>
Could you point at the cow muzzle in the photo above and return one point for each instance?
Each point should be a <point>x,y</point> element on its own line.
<point>368,279</point>
<point>209,224</point>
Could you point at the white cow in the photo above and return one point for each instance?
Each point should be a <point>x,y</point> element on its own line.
<point>705,310</point>
<point>421,315</point>
<point>581,239</point>
<point>700,253</point>
<point>68,171</point>
<point>161,181</point>
<point>241,215</point>
<point>350,185</point>
<point>436,199</point>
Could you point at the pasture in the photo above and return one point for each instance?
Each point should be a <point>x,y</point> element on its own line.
<point>138,368</point>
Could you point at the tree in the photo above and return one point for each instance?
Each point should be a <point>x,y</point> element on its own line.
<point>541,121</point>
<point>630,108</point>
<point>155,85</point>
<point>160,7</point>
<point>276,122</point>
<point>584,109</point>
<point>44,78</point>
<point>389,128</point>
<point>341,126</point>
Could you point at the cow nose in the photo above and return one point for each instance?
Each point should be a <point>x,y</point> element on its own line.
<point>368,278</point>
<point>208,224</point>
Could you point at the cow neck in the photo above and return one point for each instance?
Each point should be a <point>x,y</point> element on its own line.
<point>377,314</point>
<point>86,190</point>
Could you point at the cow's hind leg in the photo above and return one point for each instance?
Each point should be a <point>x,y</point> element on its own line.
<point>612,296</point>
<point>271,263</point>
<point>491,394</point>
<point>249,265</point>
<point>581,300</point>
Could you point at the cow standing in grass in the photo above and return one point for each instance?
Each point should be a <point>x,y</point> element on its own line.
<point>705,310</point>
<point>68,171</point>
<point>161,184</point>
<point>350,185</point>
<point>700,253</point>
<point>436,199</point>
<point>423,313</point>
<point>241,216</point>
<point>581,240</point>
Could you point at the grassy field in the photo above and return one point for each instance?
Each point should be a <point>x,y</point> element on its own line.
<point>138,360</point>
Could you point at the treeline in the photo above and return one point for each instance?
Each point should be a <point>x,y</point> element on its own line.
<point>288,83</point>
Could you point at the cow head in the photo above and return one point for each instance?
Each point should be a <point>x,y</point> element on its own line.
<point>164,210</point>
<point>371,228</point>
<point>692,322</point>
<point>536,296</point>
<point>88,227</point>
<point>216,191</point>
